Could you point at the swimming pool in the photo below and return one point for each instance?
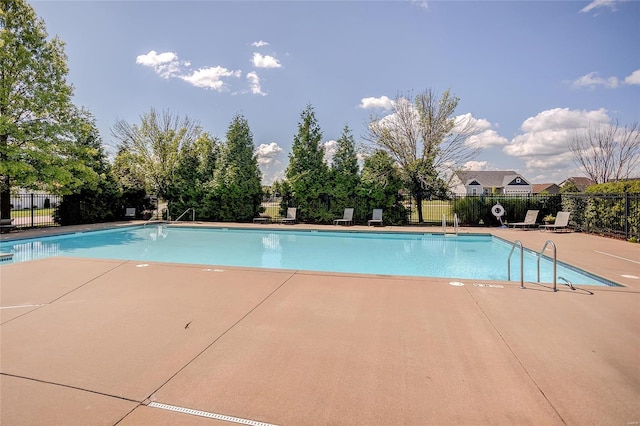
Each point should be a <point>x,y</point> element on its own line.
<point>480,257</point>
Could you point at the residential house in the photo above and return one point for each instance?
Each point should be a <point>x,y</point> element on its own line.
<point>580,183</point>
<point>547,188</point>
<point>490,182</point>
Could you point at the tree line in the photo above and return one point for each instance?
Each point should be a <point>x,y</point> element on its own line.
<point>48,143</point>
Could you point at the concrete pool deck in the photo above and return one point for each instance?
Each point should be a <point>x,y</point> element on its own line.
<point>113,342</point>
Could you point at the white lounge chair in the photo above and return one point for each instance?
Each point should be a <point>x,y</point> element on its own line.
<point>562,222</point>
<point>291,216</point>
<point>376,218</point>
<point>529,220</point>
<point>6,225</point>
<point>347,218</point>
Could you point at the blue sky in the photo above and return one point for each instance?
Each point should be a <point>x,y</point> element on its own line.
<point>529,72</point>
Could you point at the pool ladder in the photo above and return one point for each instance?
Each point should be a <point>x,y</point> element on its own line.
<point>455,223</point>
<point>193,216</point>
<point>518,243</point>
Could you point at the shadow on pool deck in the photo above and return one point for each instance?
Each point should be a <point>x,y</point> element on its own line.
<point>104,342</point>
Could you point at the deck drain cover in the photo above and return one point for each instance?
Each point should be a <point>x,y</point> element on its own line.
<point>208,415</point>
<point>142,265</point>
<point>633,277</point>
<point>456,283</point>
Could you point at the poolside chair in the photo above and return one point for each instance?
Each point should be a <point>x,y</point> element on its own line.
<point>291,216</point>
<point>6,225</point>
<point>529,220</point>
<point>130,213</point>
<point>562,222</point>
<point>376,218</point>
<point>347,218</point>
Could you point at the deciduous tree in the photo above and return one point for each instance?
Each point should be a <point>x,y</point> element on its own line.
<point>426,139</point>
<point>608,153</point>
<point>35,105</point>
<point>95,197</point>
<point>153,146</point>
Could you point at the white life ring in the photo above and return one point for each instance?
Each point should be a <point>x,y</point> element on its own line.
<point>497,210</point>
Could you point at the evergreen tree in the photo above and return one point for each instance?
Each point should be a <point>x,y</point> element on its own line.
<point>35,106</point>
<point>237,188</point>
<point>344,169</point>
<point>380,185</point>
<point>193,177</point>
<point>307,172</point>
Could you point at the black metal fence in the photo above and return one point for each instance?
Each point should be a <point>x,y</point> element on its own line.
<point>33,210</point>
<point>613,215</point>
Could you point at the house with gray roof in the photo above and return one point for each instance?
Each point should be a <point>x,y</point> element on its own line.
<point>490,183</point>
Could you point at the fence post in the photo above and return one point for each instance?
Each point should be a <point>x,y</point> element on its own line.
<point>31,208</point>
<point>626,215</point>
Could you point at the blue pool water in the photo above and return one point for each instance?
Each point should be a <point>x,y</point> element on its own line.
<point>480,257</point>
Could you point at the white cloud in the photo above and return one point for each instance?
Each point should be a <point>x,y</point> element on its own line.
<point>634,78</point>
<point>477,166</point>
<point>381,102</point>
<point>267,153</point>
<point>468,123</point>
<point>422,4</point>
<point>592,79</point>
<point>564,118</point>
<point>330,148</point>
<point>544,145</point>
<point>259,43</point>
<point>254,83</point>
<point>269,161</point>
<point>595,4</point>
<point>260,61</point>
<point>165,64</point>
<point>487,139</point>
<point>210,78</point>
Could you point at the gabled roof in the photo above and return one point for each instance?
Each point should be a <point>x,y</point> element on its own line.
<point>540,187</point>
<point>580,182</point>
<point>490,178</point>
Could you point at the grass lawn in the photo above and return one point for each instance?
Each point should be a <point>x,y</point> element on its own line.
<point>433,210</point>
<point>36,212</point>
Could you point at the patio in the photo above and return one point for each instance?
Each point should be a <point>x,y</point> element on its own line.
<point>109,342</point>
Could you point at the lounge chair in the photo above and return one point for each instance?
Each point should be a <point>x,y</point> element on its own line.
<point>376,218</point>
<point>347,218</point>
<point>262,218</point>
<point>291,215</point>
<point>6,225</point>
<point>529,220</point>
<point>562,222</point>
<point>130,213</point>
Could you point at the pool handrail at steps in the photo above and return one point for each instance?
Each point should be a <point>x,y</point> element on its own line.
<point>516,243</point>
<point>455,223</point>
<point>193,217</point>
<point>554,261</point>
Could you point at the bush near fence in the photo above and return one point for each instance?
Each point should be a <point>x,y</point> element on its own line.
<point>612,215</point>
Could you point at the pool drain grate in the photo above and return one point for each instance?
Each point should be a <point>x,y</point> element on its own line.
<point>207,414</point>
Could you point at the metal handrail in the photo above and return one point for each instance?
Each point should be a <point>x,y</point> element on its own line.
<point>193,217</point>
<point>516,243</point>
<point>455,222</point>
<point>444,223</point>
<point>554,262</point>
